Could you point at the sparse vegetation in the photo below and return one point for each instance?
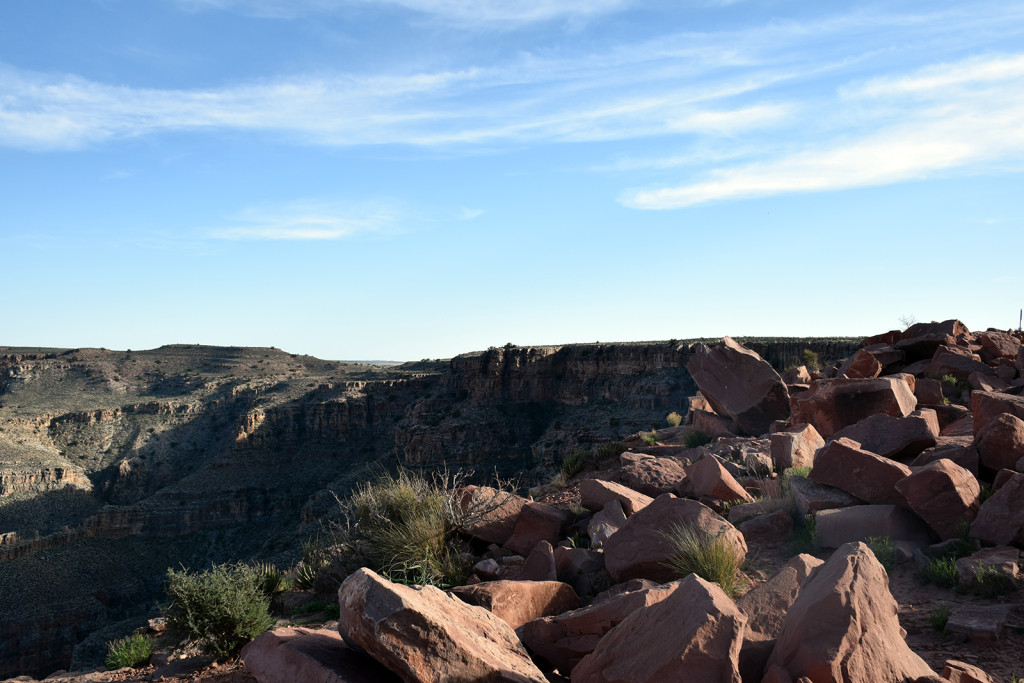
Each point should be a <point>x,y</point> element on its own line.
<point>220,609</point>
<point>804,538</point>
<point>695,437</point>
<point>674,419</point>
<point>712,559</point>
<point>572,464</point>
<point>811,360</point>
<point>939,617</point>
<point>797,472</point>
<point>271,580</point>
<point>650,438</point>
<point>884,549</point>
<point>609,449</point>
<point>992,583</point>
<point>942,572</point>
<point>133,651</point>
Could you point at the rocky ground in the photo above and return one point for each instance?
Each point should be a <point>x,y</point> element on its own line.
<point>908,454</point>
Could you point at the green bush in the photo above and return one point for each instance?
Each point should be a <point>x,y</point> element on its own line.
<point>797,472</point>
<point>711,558</point>
<point>674,419</point>
<point>221,609</point>
<point>609,449</point>
<point>942,572</point>
<point>270,579</point>
<point>572,464</point>
<point>884,549</point>
<point>991,583</point>
<point>695,437</point>
<point>939,617</point>
<point>650,438</point>
<point>133,651</point>
<point>811,360</point>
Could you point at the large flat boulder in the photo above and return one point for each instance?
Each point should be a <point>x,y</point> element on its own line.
<point>596,493</point>
<point>563,640</point>
<point>986,406</point>
<point>844,625</point>
<point>286,655</point>
<point>1000,443</point>
<point>740,385</point>
<point>897,438</point>
<point>870,477</point>
<point>423,634</point>
<point>944,495</point>
<point>640,549</point>
<point>833,528</point>
<point>831,404</point>
<point>694,635</point>
<point>517,602</point>
<point>996,344</point>
<point>922,339</point>
<point>809,496</point>
<point>651,475</point>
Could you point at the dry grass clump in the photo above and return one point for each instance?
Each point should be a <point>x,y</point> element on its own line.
<point>711,558</point>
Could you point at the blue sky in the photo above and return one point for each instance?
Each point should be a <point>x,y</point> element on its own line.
<point>405,179</point>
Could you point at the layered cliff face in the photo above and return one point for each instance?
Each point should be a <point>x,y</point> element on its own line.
<point>221,453</point>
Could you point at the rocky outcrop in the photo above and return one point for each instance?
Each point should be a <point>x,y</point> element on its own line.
<point>832,404</point>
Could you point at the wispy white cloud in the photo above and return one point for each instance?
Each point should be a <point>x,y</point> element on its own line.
<point>495,13</point>
<point>305,220</point>
<point>468,214</point>
<point>940,119</point>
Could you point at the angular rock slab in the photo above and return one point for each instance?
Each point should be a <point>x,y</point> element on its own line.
<point>693,635</point>
<point>740,385</point>
<point>795,447</point>
<point>1000,519</point>
<point>895,437</point>
<point>537,522</point>
<point>845,465</point>
<point>286,655</point>
<point>834,528</point>
<point>424,634</point>
<point>844,625</point>
<point>832,404</point>
<point>596,493</point>
<point>604,523</point>
<point>707,477</point>
<point>639,549</point>
<point>650,475</point>
<point>490,514</point>
<point>985,407</point>
<point>1000,443</point>
<point>517,602</point>
<point>943,494</point>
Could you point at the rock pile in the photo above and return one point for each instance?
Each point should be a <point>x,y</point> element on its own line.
<point>897,446</point>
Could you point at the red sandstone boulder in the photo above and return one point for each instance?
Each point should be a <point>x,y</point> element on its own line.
<point>563,640</point>
<point>1000,443</point>
<point>596,493</point>
<point>944,495</point>
<point>872,478</point>
<point>537,522</point>
<point>928,391</point>
<point>833,528</point>
<point>650,475</point>
<point>1003,559</point>
<point>995,344</point>
<point>639,549</point>
<point>1000,519</point>
<point>810,497</point>
<point>539,565</point>
<point>832,404</point>
<point>922,339</point>
<point>797,375</point>
<point>894,437</point>
<point>959,449</point>
<point>582,569</point>
<point>740,385</point>
<point>693,635</point>
<point>795,447</point>
<point>286,655</point>
<point>985,407</point>
<point>960,366</point>
<point>605,522</point>
<point>707,477</point>
<point>489,514</point>
<point>517,602</point>
<point>844,626</point>
<point>424,634</point>
<point>860,365</point>
<point>961,672</point>
<point>769,528</point>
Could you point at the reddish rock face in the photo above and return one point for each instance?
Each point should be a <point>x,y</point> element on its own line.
<point>596,493</point>
<point>537,522</point>
<point>605,522</point>
<point>872,478</point>
<point>693,635</point>
<point>424,634</point>
<point>490,514</point>
<point>1000,443</point>
<point>563,640</point>
<point>652,476</point>
<point>540,564</point>
<point>996,344</point>
<point>766,605</point>
<point>810,497</point>
<point>843,626</point>
<point>797,375</point>
<point>834,528</point>
<point>517,602</point>
<point>795,447</point>
<point>960,366</point>
<point>707,477</point>
<point>921,340</point>
<point>928,391</point>
<point>740,385</point>
<point>860,365</point>
<point>1000,520</point>
<point>986,407</point>
<point>832,404</point>
<point>895,437</point>
<point>944,495</point>
<point>285,655</point>
<point>639,549</point>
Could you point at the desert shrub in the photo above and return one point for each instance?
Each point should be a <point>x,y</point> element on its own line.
<point>695,437</point>
<point>811,360</point>
<point>711,558</point>
<point>884,550</point>
<point>609,449</point>
<point>270,578</point>
<point>650,438</point>
<point>221,609</point>
<point>572,464</point>
<point>133,651</point>
<point>941,571</point>
<point>991,583</point>
<point>674,419</point>
<point>804,537</point>
<point>410,524</point>
<point>939,617</point>
<point>797,472</point>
